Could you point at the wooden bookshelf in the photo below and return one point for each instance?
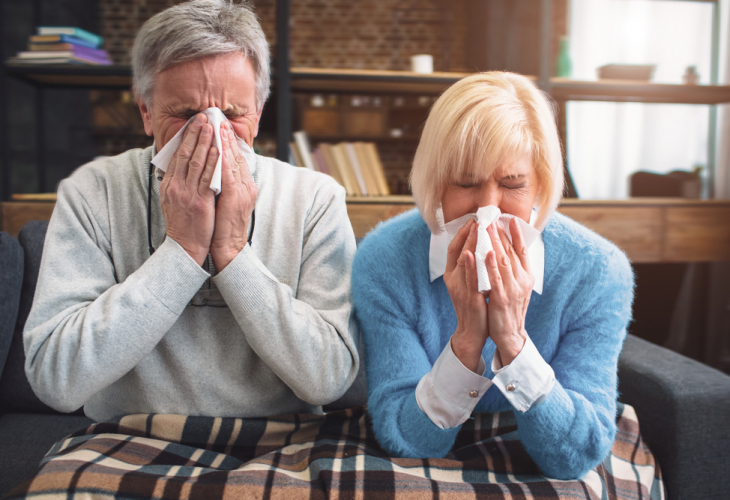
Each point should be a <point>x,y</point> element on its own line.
<point>73,76</point>
<point>371,81</point>
<point>562,89</point>
<point>382,81</point>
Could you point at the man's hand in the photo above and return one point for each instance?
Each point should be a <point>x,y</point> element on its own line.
<point>188,203</point>
<point>235,203</point>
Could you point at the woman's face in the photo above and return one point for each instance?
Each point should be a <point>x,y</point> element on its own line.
<point>512,187</point>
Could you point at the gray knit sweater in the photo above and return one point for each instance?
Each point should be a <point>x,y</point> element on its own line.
<point>116,330</point>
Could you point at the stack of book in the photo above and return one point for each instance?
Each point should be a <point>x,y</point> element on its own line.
<point>355,165</point>
<point>63,45</point>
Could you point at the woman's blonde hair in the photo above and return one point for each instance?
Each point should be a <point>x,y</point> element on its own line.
<point>480,122</point>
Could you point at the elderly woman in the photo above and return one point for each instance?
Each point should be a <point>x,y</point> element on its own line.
<point>541,339</point>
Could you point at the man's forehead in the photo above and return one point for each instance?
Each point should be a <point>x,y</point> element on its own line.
<point>226,80</point>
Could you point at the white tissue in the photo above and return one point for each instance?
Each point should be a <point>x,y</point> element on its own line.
<point>484,217</point>
<point>215,118</point>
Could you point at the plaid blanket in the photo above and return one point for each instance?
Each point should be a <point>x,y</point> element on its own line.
<point>319,456</point>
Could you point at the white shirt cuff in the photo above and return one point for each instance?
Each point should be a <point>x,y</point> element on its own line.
<point>450,391</point>
<point>527,380</point>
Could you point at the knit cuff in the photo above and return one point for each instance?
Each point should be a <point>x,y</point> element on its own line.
<point>173,276</point>
<point>247,282</point>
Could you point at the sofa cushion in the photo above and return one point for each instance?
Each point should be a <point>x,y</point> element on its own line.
<point>25,439</point>
<point>16,394</point>
<point>11,280</point>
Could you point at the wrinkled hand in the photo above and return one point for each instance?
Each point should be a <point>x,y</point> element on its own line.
<point>187,202</point>
<point>470,305</point>
<point>509,272</point>
<point>235,202</point>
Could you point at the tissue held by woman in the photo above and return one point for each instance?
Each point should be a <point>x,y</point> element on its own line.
<point>543,341</point>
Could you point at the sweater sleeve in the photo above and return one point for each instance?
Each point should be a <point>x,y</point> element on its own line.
<point>395,358</point>
<point>85,329</point>
<point>309,339</point>
<point>572,430</point>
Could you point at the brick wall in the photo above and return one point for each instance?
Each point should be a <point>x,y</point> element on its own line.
<point>362,34</point>
<point>324,33</point>
<point>119,21</point>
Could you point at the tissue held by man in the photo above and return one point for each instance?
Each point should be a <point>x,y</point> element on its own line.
<point>215,118</point>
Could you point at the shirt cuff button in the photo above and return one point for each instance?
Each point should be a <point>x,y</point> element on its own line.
<point>473,394</point>
<point>511,387</point>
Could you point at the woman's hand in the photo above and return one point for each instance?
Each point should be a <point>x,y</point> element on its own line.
<point>509,272</point>
<point>470,305</point>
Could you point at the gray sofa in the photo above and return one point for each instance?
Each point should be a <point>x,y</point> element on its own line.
<point>683,406</point>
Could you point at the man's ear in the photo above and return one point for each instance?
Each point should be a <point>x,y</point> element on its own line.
<point>258,120</point>
<point>146,116</point>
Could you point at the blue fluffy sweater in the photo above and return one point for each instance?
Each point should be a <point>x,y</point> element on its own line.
<point>578,325</point>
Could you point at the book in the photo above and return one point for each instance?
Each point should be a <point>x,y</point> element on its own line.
<point>343,165</point>
<point>332,166</point>
<point>305,151</point>
<point>53,47</point>
<point>319,161</point>
<point>48,39</point>
<point>356,168</point>
<point>379,170</point>
<point>367,167</point>
<point>56,60</point>
<point>75,51</point>
<point>294,156</point>
<point>70,30</point>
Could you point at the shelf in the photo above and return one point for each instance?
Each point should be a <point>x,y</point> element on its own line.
<point>363,138</point>
<point>73,76</point>
<point>371,81</point>
<point>647,229</point>
<point>393,199</point>
<point>563,89</point>
<point>406,82</point>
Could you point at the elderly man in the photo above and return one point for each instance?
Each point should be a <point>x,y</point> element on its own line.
<point>157,296</point>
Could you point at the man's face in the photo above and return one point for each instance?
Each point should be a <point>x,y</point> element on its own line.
<point>225,81</point>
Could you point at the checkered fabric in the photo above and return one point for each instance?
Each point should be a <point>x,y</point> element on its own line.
<point>317,457</point>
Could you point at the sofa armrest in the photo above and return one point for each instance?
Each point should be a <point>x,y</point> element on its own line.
<point>11,281</point>
<point>684,413</point>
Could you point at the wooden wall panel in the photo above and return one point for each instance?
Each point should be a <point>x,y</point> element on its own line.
<point>703,232</point>
<point>637,231</point>
<point>364,217</point>
<point>17,213</point>
<point>648,230</point>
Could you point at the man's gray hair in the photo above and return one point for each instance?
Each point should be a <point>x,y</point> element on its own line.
<point>198,29</point>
